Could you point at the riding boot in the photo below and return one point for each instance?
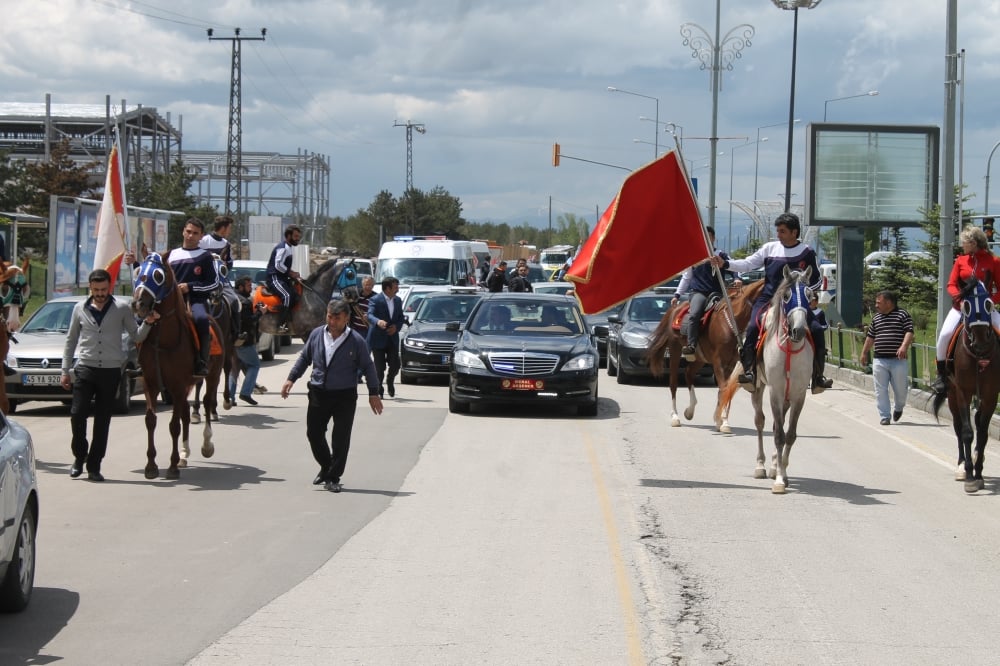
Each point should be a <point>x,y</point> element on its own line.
<point>201,361</point>
<point>819,382</point>
<point>283,318</point>
<point>940,384</point>
<point>748,357</point>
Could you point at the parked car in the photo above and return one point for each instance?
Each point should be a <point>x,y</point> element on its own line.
<point>630,333</point>
<point>36,358</point>
<point>598,325</point>
<point>430,337</point>
<point>18,516</point>
<point>562,288</point>
<point>540,354</point>
<point>267,345</point>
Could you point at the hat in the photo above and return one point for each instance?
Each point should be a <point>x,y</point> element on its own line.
<point>501,263</point>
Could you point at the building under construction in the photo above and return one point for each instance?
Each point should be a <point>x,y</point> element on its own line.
<point>293,186</point>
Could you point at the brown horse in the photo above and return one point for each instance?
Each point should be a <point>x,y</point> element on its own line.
<point>717,345</point>
<point>975,379</point>
<point>167,360</point>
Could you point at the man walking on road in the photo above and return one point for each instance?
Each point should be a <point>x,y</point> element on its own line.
<point>246,352</point>
<point>385,318</point>
<point>95,338</point>
<point>337,354</point>
<point>890,334</point>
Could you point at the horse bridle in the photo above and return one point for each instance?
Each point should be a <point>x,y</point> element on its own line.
<point>982,310</point>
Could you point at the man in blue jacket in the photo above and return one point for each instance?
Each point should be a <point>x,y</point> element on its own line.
<point>194,270</point>
<point>700,281</point>
<point>385,318</point>
<point>280,275</point>
<point>337,354</point>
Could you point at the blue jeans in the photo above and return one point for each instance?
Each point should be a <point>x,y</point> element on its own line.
<point>889,372</point>
<point>248,355</point>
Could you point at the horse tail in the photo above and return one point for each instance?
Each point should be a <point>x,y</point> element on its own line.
<point>939,399</point>
<point>728,391</point>
<point>658,345</point>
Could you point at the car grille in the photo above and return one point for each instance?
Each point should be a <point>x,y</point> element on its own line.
<point>523,364</point>
<point>48,363</point>
<point>439,347</point>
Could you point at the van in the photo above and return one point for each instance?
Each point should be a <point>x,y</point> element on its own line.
<point>555,257</point>
<point>427,262</point>
<point>828,288</point>
<point>876,260</point>
<point>481,251</point>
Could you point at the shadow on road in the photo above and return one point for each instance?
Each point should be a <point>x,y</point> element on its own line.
<point>24,634</point>
<point>848,492</point>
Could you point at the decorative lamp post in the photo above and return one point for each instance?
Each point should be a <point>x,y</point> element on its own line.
<point>656,149</point>
<point>670,128</point>
<point>870,93</point>
<point>793,5</point>
<point>714,55</point>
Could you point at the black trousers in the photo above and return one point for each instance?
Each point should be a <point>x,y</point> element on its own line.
<point>323,406</point>
<point>386,357</point>
<point>97,386</point>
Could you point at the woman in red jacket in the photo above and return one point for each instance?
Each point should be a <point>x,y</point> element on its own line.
<point>976,259</point>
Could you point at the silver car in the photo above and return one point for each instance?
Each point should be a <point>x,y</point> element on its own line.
<point>36,358</point>
<point>18,516</point>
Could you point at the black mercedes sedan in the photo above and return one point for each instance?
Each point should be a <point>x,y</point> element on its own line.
<point>525,348</point>
<point>430,337</point>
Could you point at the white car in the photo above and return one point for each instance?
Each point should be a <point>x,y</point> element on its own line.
<point>18,516</point>
<point>267,345</point>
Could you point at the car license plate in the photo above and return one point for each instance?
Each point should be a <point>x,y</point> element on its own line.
<point>40,380</point>
<point>522,384</point>
<point>445,358</point>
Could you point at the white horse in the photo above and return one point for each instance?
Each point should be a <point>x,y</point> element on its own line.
<point>785,368</point>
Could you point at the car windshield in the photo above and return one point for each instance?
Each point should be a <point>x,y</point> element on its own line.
<point>424,270</point>
<point>648,308</point>
<point>444,309</point>
<point>527,317</point>
<point>53,316</point>
<point>561,289</point>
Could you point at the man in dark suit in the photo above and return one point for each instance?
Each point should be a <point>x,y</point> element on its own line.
<point>385,318</point>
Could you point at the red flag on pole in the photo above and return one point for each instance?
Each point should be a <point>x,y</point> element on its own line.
<point>651,232</point>
<point>112,223</point>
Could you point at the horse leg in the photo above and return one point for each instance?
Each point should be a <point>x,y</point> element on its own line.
<point>757,399</point>
<point>780,459</point>
<point>173,472</point>
<point>983,415</point>
<point>675,369</point>
<point>207,447</point>
<point>196,411</point>
<point>151,471</point>
<point>185,420</point>
<point>689,375</point>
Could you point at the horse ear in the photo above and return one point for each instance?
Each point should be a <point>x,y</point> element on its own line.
<point>809,272</point>
<point>786,271</point>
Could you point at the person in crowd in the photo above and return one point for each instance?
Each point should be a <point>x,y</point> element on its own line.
<point>890,335</point>
<point>94,337</point>
<point>337,354</point>
<point>217,243</point>
<point>499,318</point>
<point>520,281</point>
<point>497,279</point>
<point>359,311</point>
<point>976,259</point>
<point>773,257</point>
<point>246,352</point>
<point>698,283</point>
<point>194,270</point>
<point>280,274</point>
<point>818,312</point>
<point>385,319</point>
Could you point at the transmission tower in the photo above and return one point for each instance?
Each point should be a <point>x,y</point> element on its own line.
<point>410,126</point>
<point>234,147</point>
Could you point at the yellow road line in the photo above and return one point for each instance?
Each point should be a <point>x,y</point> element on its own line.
<point>622,583</point>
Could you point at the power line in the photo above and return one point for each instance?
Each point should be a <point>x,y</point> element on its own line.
<point>106,3</point>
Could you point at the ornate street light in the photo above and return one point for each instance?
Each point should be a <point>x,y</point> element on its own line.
<point>794,5</point>
<point>714,55</point>
<point>870,93</point>
<point>670,128</point>
<point>656,150</point>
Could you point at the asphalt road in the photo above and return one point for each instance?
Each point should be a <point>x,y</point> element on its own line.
<point>518,536</point>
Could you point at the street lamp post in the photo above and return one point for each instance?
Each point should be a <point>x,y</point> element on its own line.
<point>989,160</point>
<point>757,158</point>
<point>870,93</point>
<point>656,149</point>
<point>670,128</point>
<point>732,160</point>
<point>793,5</point>
<point>716,54</point>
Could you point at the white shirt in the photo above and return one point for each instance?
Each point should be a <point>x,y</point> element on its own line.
<point>332,344</point>
<point>391,305</point>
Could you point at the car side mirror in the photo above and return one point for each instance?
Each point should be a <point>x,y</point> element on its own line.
<point>406,320</point>
<point>614,319</point>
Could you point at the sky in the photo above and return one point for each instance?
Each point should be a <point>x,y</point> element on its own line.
<point>496,82</point>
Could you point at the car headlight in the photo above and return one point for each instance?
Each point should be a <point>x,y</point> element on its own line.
<point>414,344</point>
<point>635,339</point>
<point>467,359</point>
<point>11,361</point>
<point>581,362</point>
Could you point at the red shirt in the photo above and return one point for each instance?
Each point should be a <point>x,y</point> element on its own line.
<point>983,264</point>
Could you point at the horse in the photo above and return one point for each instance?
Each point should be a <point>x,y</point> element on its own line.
<point>975,379</point>
<point>310,309</point>
<point>718,345</point>
<point>785,369</point>
<point>172,341</point>
<point>14,292</point>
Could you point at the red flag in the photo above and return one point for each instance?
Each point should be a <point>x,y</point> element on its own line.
<point>112,224</point>
<point>651,232</point>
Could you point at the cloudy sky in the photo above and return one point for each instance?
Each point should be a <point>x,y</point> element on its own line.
<point>496,82</point>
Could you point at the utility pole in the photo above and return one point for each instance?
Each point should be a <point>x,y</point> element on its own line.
<point>410,126</point>
<point>234,147</point>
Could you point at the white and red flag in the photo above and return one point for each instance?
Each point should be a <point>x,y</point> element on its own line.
<point>112,220</point>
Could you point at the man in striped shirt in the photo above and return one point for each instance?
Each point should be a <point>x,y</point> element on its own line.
<point>890,334</point>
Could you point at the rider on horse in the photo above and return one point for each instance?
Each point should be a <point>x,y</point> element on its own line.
<point>280,274</point>
<point>217,242</point>
<point>788,251</point>
<point>194,270</point>
<point>701,282</point>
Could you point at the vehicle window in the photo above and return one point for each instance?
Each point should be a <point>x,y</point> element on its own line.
<point>528,318</point>
<point>50,317</point>
<point>416,271</point>
<point>648,309</point>
<point>445,309</point>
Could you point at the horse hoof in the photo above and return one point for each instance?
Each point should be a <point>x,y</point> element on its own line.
<point>760,474</point>
<point>182,463</point>
<point>173,474</point>
<point>689,414</point>
<point>208,450</point>
<point>226,405</point>
<point>973,486</point>
<point>778,489</point>
<point>195,417</point>
<point>152,472</point>
<point>960,473</point>
<point>725,429</point>
<point>675,422</point>
<point>772,474</point>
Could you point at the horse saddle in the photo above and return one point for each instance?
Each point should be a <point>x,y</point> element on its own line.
<point>215,349</point>
<point>262,295</point>
<point>683,310</point>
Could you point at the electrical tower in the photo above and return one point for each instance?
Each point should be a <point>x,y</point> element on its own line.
<point>410,126</point>
<point>234,147</point>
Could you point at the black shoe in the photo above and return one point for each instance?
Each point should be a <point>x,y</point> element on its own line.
<point>884,422</point>
<point>748,377</point>
<point>333,486</point>
<point>320,479</point>
<point>392,390</point>
<point>134,372</point>
<point>939,386</point>
<point>687,350</point>
<point>248,399</point>
<point>283,329</point>
<point>200,369</point>
<point>95,476</point>
<point>76,470</point>
<point>897,414</point>
<point>820,384</point>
